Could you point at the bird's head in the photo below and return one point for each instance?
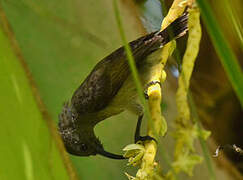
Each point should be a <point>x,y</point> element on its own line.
<point>78,137</point>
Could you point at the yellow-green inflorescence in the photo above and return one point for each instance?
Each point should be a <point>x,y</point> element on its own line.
<point>186,131</point>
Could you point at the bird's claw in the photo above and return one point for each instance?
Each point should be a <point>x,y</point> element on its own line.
<point>148,85</point>
<point>145,138</point>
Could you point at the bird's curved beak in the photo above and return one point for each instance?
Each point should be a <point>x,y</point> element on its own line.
<point>102,152</point>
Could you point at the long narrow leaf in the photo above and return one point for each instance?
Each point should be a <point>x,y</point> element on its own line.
<point>27,148</point>
<point>227,57</point>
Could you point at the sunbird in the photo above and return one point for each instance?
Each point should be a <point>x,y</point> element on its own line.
<point>109,89</point>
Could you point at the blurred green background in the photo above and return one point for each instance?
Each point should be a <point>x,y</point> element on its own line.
<point>60,42</point>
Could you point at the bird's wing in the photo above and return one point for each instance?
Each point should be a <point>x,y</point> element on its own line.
<point>105,80</point>
<point>109,74</point>
<point>107,77</point>
<point>94,93</point>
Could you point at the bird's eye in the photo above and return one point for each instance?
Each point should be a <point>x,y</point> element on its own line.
<point>83,147</point>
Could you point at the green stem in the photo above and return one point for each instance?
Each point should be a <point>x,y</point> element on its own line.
<point>131,60</point>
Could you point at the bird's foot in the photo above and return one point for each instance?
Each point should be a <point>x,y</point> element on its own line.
<point>148,85</point>
<point>137,136</point>
<point>145,138</point>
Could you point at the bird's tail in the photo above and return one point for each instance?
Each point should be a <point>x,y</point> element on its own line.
<point>176,29</point>
<point>145,45</point>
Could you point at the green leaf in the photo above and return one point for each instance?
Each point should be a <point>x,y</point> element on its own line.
<point>135,153</point>
<point>61,42</point>
<point>27,148</point>
<point>225,53</point>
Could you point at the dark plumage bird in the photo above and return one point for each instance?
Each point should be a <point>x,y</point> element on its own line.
<point>109,90</point>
